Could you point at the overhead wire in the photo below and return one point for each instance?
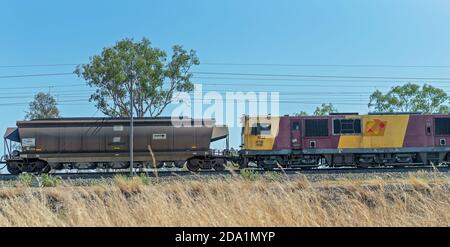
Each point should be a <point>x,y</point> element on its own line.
<point>209,63</point>
<point>263,75</point>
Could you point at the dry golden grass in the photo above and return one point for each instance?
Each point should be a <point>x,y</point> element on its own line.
<point>231,202</point>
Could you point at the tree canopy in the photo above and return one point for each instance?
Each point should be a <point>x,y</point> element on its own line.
<point>410,98</point>
<point>325,109</point>
<point>43,106</point>
<point>301,113</point>
<point>138,65</point>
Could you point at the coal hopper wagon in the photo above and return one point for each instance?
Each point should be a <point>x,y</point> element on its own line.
<point>103,143</point>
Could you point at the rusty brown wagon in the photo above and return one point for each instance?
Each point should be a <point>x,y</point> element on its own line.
<point>90,143</point>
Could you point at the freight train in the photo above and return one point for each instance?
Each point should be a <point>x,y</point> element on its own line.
<point>268,142</point>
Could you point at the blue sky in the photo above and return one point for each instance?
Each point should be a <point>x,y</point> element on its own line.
<point>359,32</point>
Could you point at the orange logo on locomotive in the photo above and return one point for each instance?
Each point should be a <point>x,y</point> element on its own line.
<point>375,127</point>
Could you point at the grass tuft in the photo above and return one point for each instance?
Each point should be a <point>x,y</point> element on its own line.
<point>25,179</point>
<point>49,180</point>
<point>249,174</point>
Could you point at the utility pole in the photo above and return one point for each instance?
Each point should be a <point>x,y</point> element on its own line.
<point>131,129</point>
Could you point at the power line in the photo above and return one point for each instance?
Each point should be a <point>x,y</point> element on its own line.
<point>256,64</point>
<point>35,87</point>
<point>33,75</point>
<point>327,65</point>
<point>321,76</point>
<point>53,92</point>
<point>226,100</point>
<point>303,94</point>
<point>266,75</point>
<point>26,103</point>
<point>32,95</point>
<point>39,65</point>
<point>234,83</point>
<point>293,85</point>
<point>306,80</point>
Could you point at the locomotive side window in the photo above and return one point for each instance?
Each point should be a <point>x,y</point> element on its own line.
<point>261,129</point>
<point>442,126</point>
<point>296,126</point>
<point>316,127</point>
<point>346,126</point>
<point>254,130</point>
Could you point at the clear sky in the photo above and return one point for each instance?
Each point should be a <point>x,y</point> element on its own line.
<point>358,32</point>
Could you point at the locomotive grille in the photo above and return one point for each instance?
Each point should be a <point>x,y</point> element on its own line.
<point>316,127</point>
<point>442,126</point>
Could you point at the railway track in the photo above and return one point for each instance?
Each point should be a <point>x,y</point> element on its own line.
<point>288,172</point>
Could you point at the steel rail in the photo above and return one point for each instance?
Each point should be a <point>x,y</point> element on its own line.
<point>178,173</point>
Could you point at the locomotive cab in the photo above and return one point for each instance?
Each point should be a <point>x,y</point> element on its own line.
<point>259,133</point>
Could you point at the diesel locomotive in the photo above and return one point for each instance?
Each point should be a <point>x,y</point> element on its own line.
<point>379,139</point>
<point>268,142</point>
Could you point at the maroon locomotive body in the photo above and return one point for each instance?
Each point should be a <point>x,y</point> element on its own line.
<point>347,139</point>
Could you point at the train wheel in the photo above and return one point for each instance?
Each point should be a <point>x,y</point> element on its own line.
<point>242,163</point>
<point>365,162</point>
<point>28,167</point>
<point>219,164</point>
<point>169,164</point>
<point>13,168</point>
<point>149,164</point>
<point>85,165</point>
<point>268,167</point>
<point>118,165</point>
<point>138,165</point>
<point>40,165</point>
<point>180,163</point>
<point>193,165</point>
<point>267,164</point>
<point>46,169</point>
<point>159,164</point>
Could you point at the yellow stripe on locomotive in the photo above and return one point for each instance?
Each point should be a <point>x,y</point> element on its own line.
<point>379,131</point>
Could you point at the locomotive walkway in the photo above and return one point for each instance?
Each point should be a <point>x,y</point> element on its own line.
<point>287,172</point>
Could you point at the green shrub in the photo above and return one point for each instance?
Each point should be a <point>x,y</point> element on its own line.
<point>274,176</point>
<point>145,179</point>
<point>249,174</point>
<point>49,181</point>
<point>26,179</point>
